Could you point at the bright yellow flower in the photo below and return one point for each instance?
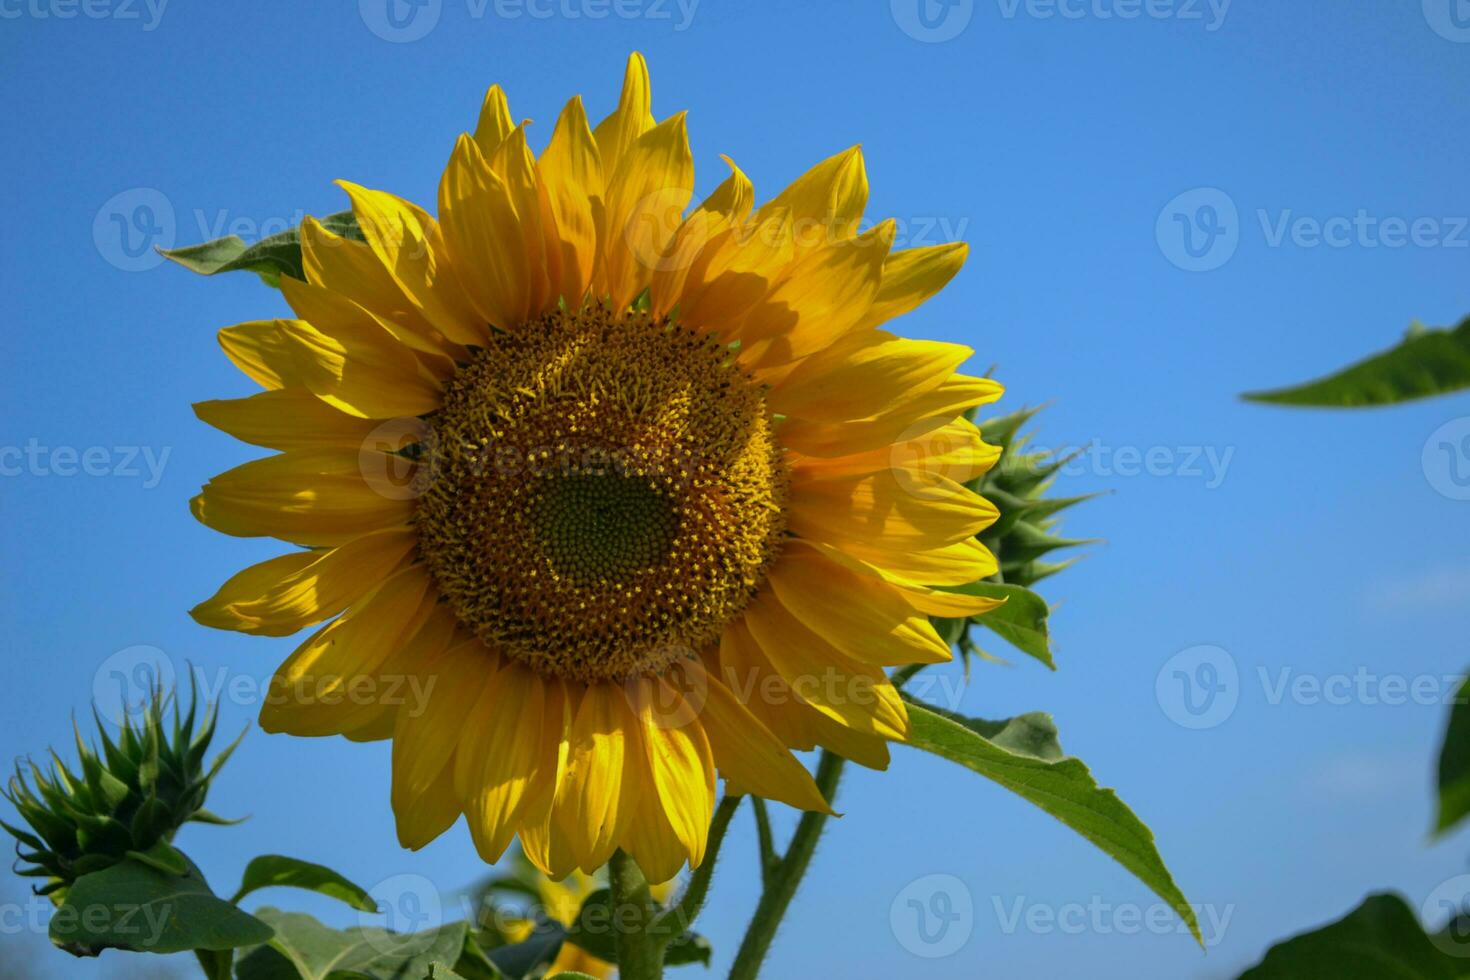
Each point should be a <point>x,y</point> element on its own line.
<point>630,497</point>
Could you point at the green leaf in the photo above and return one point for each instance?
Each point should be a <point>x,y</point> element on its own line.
<point>162,856</point>
<point>276,871</point>
<point>135,906</point>
<point>304,949</point>
<point>595,932</point>
<point>1425,363</point>
<point>1021,622</point>
<point>570,975</point>
<point>1021,760</point>
<point>438,971</point>
<point>1454,764</point>
<point>1380,939</point>
<point>530,957</point>
<point>269,258</point>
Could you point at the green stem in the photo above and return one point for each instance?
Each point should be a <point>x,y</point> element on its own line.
<point>768,857</point>
<point>786,876</point>
<point>673,922</point>
<point>217,964</point>
<point>640,953</point>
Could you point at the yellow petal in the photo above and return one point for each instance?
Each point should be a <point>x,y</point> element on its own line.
<point>332,678</point>
<point>262,352</point>
<point>821,300</point>
<point>285,418</point>
<point>495,121</point>
<point>912,276</point>
<point>619,131</point>
<point>499,757</point>
<point>349,268</point>
<point>865,376</point>
<point>862,616</point>
<point>680,765</point>
<point>571,173</point>
<point>425,740</point>
<point>876,512</point>
<point>646,197</point>
<point>595,807</point>
<point>285,594</point>
<point>734,272</point>
<point>485,236</point>
<point>542,840</point>
<point>910,420</point>
<point>955,450</point>
<point>358,367</point>
<point>822,677</point>
<point>308,496</point>
<point>650,837</point>
<point>408,243</point>
<point>734,198</point>
<point>826,202</point>
<point>514,163</point>
<point>750,757</point>
<point>423,816</point>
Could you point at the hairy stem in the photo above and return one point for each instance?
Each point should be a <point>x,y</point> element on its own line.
<point>786,876</point>
<point>640,952</point>
<point>676,920</point>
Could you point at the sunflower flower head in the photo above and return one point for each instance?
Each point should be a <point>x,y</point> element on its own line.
<point>630,493</point>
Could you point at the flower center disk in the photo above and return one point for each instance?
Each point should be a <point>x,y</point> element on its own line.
<point>600,493</point>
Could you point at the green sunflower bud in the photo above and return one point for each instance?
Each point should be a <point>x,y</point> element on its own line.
<point>1024,540</point>
<point>1025,537</point>
<point>127,799</point>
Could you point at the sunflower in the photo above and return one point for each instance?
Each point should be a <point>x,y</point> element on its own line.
<point>600,496</point>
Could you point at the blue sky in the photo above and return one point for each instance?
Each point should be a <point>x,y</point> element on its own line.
<point>1072,146</point>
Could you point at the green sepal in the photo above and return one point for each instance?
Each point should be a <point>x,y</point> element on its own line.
<point>270,258</point>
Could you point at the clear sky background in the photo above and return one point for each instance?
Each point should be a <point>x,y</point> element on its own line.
<point>1315,544</point>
